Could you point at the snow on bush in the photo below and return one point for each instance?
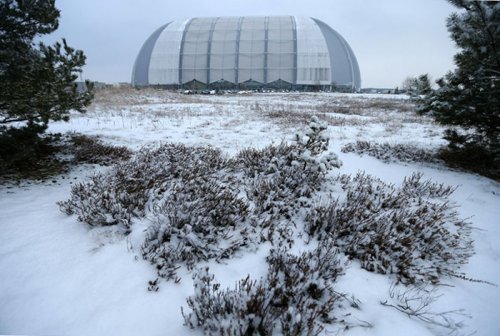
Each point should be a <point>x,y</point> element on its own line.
<point>198,219</point>
<point>296,297</point>
<point>282,180</point>
<point>411,231</point>
<point>203,205</point>
<point>389,153</point>
<point>114,197</point>
<point>101,202</point>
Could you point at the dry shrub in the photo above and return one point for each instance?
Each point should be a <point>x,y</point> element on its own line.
<point>362,106</point>
<point>411,231</point>
<point>289,119</point>
<point>390,153</point>
<point>199,219</point>
<point>203,205</point>
<point>401,105</point>
<point>416,302</point>
<point>113,197</point>
<point>296,298</point>
<point>89,149</point>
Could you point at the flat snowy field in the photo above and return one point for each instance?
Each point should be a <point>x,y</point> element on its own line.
<point>60,277</point>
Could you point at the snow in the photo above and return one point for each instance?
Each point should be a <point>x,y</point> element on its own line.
<point>60,277</point>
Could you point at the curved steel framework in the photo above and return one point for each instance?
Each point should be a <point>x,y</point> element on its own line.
<point>275,51</point>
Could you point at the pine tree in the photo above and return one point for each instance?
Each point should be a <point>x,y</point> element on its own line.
<point>37,85</point>
<point>469,97</point>
<point>37,81</point>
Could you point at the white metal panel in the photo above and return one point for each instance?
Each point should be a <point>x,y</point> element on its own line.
<point>254,63</point>
<point>274,61</point>
<point>229,61</point>
<point>345,68</point>
<point>200,74</point>
<point>223,50</point>
<point>187,74</point>
<point>230,47</point>
<point>201,61</point>
<point>164,64</point>
<point>244,74</point>
<point>190,47</point>
<point>280,49</point>
<point>188,61</point>
<point>229,74</point>
<point>218,35</point>
<point>245,61</point>
<point>273,74</point>
<point>287,75</point>
<point>257,74</point>
<point>273,34</point>
<point>216,61</point>
<point>252,44</point>
<point>258,47</point>
<point>217,47</point>
<point>195,51</point>
<point>313,60</point>
<point>198,30</point>
<point>225,29</point>
<point>280,46</point>
<point>216,74</point>
<point>245,46</point>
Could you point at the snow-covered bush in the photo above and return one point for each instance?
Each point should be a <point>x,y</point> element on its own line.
<point>296,298</point>
<point>101,202</point>
<point>281,180</point>
<point>254,162</point>
<point>250,198</point>
<point>203,206</point>
<point>390,153</point>
<point>411,231</point>
<point>199,219</point>
<point>115,196</point>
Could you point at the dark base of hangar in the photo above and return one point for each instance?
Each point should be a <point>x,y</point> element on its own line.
<point>279,85</point>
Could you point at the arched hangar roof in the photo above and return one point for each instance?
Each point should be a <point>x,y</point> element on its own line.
<point>296,50</point>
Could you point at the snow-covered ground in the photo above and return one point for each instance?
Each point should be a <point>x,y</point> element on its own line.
<point>60,277</point>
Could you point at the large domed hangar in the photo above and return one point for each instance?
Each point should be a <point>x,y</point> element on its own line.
<point>280,52</point>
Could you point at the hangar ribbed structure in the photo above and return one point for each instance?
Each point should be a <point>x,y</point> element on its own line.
<point>284,52</point>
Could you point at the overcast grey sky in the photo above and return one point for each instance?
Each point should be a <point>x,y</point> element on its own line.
<point>392,39</point>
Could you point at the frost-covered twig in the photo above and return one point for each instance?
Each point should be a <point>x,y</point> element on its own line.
<point>416,302</point>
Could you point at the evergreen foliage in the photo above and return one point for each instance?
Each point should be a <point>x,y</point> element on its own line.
<point>37,81</point>
<point>469,97</point>
<point>24,154</point>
